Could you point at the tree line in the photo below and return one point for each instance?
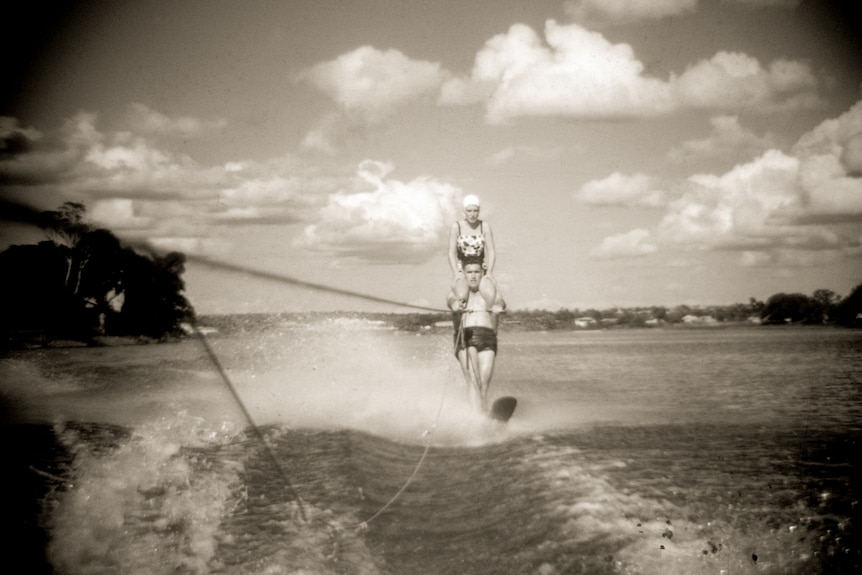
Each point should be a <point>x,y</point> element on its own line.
<point>823,307</point>
<point>81,282</point>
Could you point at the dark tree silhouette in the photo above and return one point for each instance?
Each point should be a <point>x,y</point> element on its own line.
<point>790,308</point>
<point>849,311</point>
<point>82,282</point>
<point>152,289</point>
<point>825,301</point>
<point>65,227</point>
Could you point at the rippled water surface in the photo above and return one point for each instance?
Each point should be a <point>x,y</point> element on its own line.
<point>643,451</point>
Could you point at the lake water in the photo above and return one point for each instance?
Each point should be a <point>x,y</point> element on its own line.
<point>678,451</point>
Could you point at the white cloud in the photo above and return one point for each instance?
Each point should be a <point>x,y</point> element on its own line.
<point>734,207</point>
<point>782,209</point>
<point>188,245</point>
<point>619,11</point>
<point>263,197</point>
<point>384,220</point>
<point>781,258</point>
<point>326,134</point>
<point>833,135</point>
<point>129,155</point>
<point>604,12</point>
<point>734,80</point>
<point>132,185</point>
<point>118,215</point>
<point>635,243</point>
<point>579,73</point>
<point>374,171</point>
<point>150,194</point>
<point>620,189</point>
<point>728,139</point>
<point>36,160</point>
<point>143,119</point>
<point>371,83</point>
<point>13,137</point>
<point>851,155</point>
<point>829,168</point>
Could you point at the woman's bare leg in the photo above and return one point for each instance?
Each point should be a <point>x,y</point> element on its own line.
<point>460,288</point>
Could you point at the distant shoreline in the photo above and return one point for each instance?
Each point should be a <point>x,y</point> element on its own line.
<point>425,322</point>
<point>517,321</point>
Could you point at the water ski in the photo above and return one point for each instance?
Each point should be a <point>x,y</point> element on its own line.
<point>503,408</point>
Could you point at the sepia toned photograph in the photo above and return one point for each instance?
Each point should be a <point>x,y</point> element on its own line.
<point>431,287</point>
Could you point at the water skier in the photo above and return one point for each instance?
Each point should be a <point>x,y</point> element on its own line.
<point>475,319</point>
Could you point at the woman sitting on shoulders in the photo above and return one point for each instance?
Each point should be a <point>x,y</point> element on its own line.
<point>473,238</point>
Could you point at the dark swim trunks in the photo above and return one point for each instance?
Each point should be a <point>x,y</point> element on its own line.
<point>482,338</point>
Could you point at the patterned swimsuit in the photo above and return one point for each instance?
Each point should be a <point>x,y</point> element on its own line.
<point>471,245</point>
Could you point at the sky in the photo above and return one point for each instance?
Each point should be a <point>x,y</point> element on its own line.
<point>626,152</point>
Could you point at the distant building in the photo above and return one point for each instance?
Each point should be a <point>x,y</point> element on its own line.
<point>699,320</point>
<point>585,322</point>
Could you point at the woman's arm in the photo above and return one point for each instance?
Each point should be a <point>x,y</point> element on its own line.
<point>490,252</point>
<point>453,248</point>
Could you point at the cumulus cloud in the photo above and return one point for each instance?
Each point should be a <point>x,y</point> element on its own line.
<point>144,120</point>
<point>189,245</point>
<point>88,162</point>
<point>735,207</point>
<point>578,73</point>
<point>733,80</point>
<point>620,189</point>
<point>13,138</point>
<point>620,11</point>
<point>829,174</point>
<point>34,161</point>
<point>371,83</point>
<point>832,136</point>
<point>775,202</point>
<point>635,243</point>
<point>602,12</point>
<point>382,219</point>
<point>133,185</point>
<point>781,258</point>
<point>118,214</point>
<point>148,193</point>
<point>851,155</point>
<point>728,139</point>
<point>804,206</point>
<point>327,133</point>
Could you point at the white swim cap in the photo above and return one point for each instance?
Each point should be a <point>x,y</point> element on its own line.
<point>471,200</point>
